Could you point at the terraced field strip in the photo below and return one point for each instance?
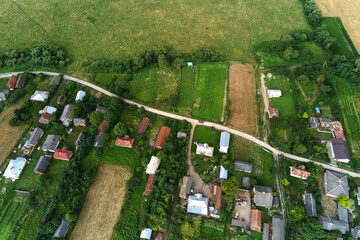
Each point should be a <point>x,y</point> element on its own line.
<point>11,216</point>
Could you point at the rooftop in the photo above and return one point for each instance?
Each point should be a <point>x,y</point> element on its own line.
<point>161,138</point>
<point>145,122</point>
<point>336,184</point>
<point>243,166</point>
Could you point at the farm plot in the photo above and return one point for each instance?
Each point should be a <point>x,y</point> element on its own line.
<point>209,94</point>
<point>10,217</point>
<point>103,203</point>
<point>242,98</point>
<point>187,89</point>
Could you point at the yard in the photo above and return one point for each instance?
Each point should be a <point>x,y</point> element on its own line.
<point>117,30</point>
<point>120,156</point>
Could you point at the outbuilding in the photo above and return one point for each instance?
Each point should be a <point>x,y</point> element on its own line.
<point>224,142</point>
<point>15,168</point>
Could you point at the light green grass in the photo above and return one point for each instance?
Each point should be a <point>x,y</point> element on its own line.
<point>207,135</point>
<point>10,218</point>
<point>28,228</point>
<point>118,29</point>
<point>210,88</point>
<point>104,79</point>
<point>187,89</point>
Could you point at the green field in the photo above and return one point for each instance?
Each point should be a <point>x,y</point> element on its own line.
<point>111,30</point>
<point>337,30</point>
<point>121,156</point>
<point>209,93</point>
<point>10,217</point>
<point>187,89</point>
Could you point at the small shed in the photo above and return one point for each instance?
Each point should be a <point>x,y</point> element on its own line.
<point>98,140</point>
<point>21,81</point>
<point>224,142</point>
<point>223,174</point>
<point>245,182</point>
<point>4,94</point>
<point>80,138</point>
<point>181,134</point>
<point>54,81</point>
<point>153,165</point>
<point>80,95</point>
<point>146,233</point>
<point>80,122</point>
<point>274,93</point>
<point>12,82</point>
<point>101,110</point>
<point>243,166</point>
<point>145,122</point>
<point>273,112</point>
<point>125,141</point>
<point>278,228</point>
<point>255,220</point>
<point>62,229</point>
<point>185,187</point>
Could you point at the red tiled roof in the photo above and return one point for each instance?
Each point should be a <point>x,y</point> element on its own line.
<point>273,112</point>
<point>255,220</point>
<point>145,122</point>
<point>300,172</point>
<point>12,82</point>
<point>103,126</point>
<point>337,130</point>
<point>63,154</point>
<point>124,141</point>
<point>163,135</point>
<point>149,184</point>
<point>46,115</point>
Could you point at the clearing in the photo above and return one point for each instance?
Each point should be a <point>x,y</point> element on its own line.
<point>9,135</point>
<point>242,98</point>
<point>103,203</point>
<point>92,30</point>
<point>348,11</point>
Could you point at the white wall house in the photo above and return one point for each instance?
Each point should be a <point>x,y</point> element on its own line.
<point>15,168</point>
<point>224,142</point>
<point>204,149</point>
<point>153,165</point>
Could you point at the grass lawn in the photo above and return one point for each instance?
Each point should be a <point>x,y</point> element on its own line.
<point>187,89</point>
<point>9,218</point>
<point>121,156</point>
<point>285,104</point>
<point>208,135</point>
<point>103,79</point>
<point>210,87</point>
<point>3,82</point>
<point>27,181</point>
<point>28,228</point>
<point>91,30</point>
<point>56,170</point>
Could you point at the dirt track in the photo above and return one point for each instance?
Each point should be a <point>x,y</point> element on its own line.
<point>348,11</point>
<point>242,98</point>
<point>103,204</point>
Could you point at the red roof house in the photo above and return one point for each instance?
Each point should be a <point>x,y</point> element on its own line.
<point>163,135</point>
<point>337,130</point>
<point>63,154</point>
<point>12,82</point>
<point>149,184</point>
<point>103,126</point>
<point>273,112</point>
<point>299,172</point>
<point>255,220</point>
<point>125,141</point>
<point>145,122</point>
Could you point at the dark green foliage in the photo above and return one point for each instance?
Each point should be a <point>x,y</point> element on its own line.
<point>310,228</point>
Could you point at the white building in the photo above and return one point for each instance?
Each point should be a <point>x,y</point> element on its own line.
<point>204,149</point>
<point>224,142</point>
<point>223,173</point>
<point>274,93</point>
<point>39,96</point>
<point>153,165</point>
<point>146,233</point>
<point>15,168</point>
<point>198,204</point>
<point>80,95</point>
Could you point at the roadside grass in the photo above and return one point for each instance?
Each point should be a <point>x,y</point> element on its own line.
<point>210,88</point>
<point>118,30</point>
<point>120,156</point>
<point>187,89</point>
<point>103,79</point>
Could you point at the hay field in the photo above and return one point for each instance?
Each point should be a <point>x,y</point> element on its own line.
<point>8,135</point>
<point>348,11</point>
<point>242,98</point>
<point>103,204</point>
<point>115,29</point>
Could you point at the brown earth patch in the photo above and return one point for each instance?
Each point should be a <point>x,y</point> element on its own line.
<point>242,98</point>
<point>103,204</point>
<point>348,11</point>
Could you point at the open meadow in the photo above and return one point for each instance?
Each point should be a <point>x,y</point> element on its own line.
<point>103,203</point>
<point>91,30</point>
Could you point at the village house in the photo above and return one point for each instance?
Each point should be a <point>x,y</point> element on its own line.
<point>15,168</point>
<point>63,154</point>
<point>125,141</point>
<point>278,228</point>
<point>42,164</point>
<point>55,81</point>
<point>80,95</point>
<point>161,138</point>
<point>243,166</point>
<point>153,165</point>
<point>335,184</point>
<point>333,224</point>
<point>101,110</point>
<point>198,204</point>
<point>204,149</point>
<point>185,187</point>
<point>274,93</point>
<point>39,96</point>
<point>224,142</point>
<point>325,122</point>
<point>79,122</point>
<point>338,150</point>
<point>12,82</point>
<point>263,196</point>
<point>66,117</point>
<point>80,139</point>
<point>35,137</point>
<point>310,205</point>
<point>255,220</point>
<point>149,184</point>
<point>45,114</point>
<point>337,130</point>
<point>4,94</point>
<point>145,122</point>
<point>299,172</point>
<point>314,123</point>
<point>273,112</point>
<point>51,143</point>
<point>21,81</point>
<point>62,229</point>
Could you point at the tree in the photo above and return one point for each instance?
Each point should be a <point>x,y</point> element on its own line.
<point>310,228</point>
<point>300,149</point>
<point>325,88</point>
<point>120,129</point>
<point>297,213</point>
<point>162,61</point>
<point>71,216</point>
<point>290,53</point>
<point>344,201</point>
<point>230,187</point>
<point>95,118</point>
<point>303,79</point>
<point>285,182</point>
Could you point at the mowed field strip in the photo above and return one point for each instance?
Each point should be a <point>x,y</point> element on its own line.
<point>103,204</point>
<point>9,135</point>
<point>242,98</point>
<point>348,11</point>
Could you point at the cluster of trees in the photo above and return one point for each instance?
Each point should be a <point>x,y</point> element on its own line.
<point>36,56</point>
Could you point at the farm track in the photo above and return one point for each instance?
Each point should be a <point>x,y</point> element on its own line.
<point>196,122</point>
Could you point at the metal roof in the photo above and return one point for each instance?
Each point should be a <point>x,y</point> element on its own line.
<point>278,228</point>
<point>243,166</point>
<point>336,184</point>
<point>51,143</point>
<point>310,205</point>
<point>42,164</point>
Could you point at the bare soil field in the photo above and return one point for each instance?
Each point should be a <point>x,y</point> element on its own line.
<point>242,96</point>
<point>9,135</point>
<point>348,11</point>
<point>103,204</point>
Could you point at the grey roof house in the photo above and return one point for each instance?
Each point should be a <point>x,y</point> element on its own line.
<point>243,166</point>
<point>314,123</point>
<point>98,139</point>
<point>80,138</point>
<point>334,225</point>
<point>325,122</point>
<point>62,229</point>
<point>4,94</point>
<point>51,143</point>
<point>338,150</point>
<point>35,137</point>
<point>66,117</point>
<point>263,196</point>
<point>79,122</point>
<point>310,205</point>
<point>42,164</point>
<point>185,187</point>
<point>55,81</point>
<point>278,228</point>
<point>335,184</point>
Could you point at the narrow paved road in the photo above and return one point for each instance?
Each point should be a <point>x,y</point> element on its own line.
<point>196,122</point>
